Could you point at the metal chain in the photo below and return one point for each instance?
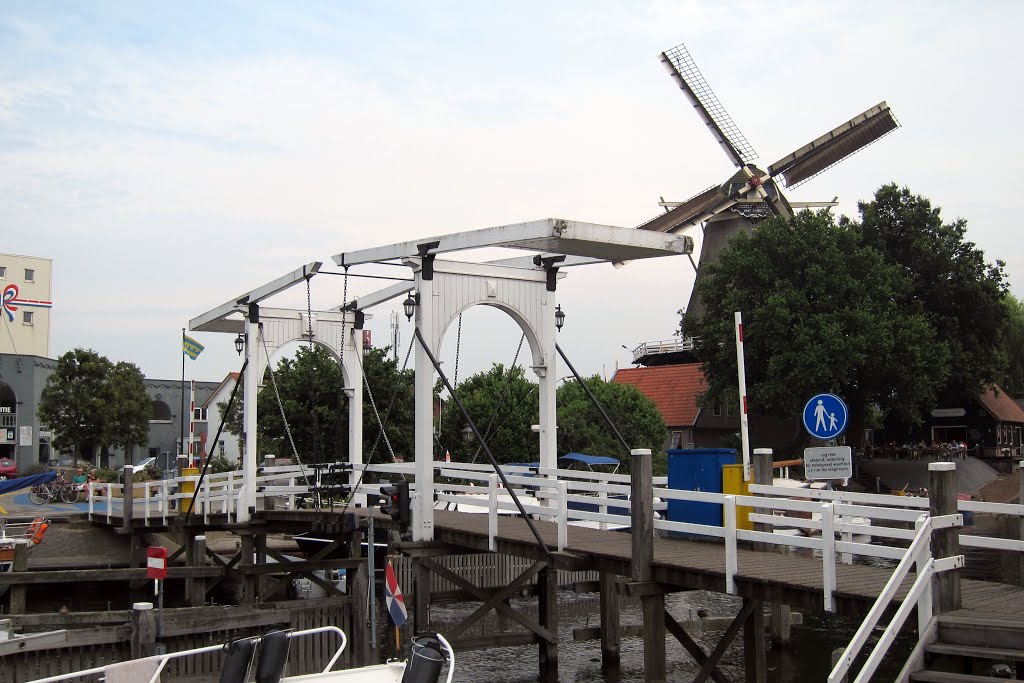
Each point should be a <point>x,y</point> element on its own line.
<point>458,347</point>
<point>317,441</point>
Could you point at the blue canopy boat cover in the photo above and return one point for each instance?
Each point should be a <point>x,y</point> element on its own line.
<point>11,485</point>
<point>589,460</point>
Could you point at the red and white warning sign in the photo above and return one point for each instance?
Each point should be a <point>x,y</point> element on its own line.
<point>156,563</point>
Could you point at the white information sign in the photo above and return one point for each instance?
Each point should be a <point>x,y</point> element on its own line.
<point>25,435</point>
<point>829,462</point>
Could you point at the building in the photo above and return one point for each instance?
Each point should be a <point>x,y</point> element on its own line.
<point>227,444</point>
<point>675,390</point>
<point>27,284</point>
<point>22,438</point>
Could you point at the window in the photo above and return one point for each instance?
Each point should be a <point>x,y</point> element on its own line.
<point>30,275</point>
<point>199,414</point>
<point>730,410</point>
<point>161,412</point>
<point>717,411</point>
<point>3,272</point>
<point>677,439</point>
<point>27,316</point>
<point>220,447</point>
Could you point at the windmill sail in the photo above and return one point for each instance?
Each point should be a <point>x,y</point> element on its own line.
<point>692,211</point>
<point>688,77</point>
<point>834,146</point>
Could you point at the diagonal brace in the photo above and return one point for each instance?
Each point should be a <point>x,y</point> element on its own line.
<point>493,601</point>
<point>723,644</point>
<point>691,646</point>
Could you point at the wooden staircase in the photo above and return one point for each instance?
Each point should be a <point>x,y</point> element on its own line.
<point>974,646</point>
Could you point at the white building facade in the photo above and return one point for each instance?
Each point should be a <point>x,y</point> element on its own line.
<point>26,284</point>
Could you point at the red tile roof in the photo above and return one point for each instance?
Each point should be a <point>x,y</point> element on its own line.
<point>1000,405</point>
<point>673,388</point>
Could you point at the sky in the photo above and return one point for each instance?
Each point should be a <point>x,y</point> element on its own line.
<point>170,156</point>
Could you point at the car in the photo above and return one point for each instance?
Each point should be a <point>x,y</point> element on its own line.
<point>8,469</point>
<point>143,464</point>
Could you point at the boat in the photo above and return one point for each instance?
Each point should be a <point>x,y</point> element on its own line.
<point>15,535</point>
<point>267,656</point>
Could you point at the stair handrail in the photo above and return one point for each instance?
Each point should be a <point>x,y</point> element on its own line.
<point>920,596</point>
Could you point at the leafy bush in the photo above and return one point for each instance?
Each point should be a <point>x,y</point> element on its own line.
<point>105,475</point>
<point>219,463</point>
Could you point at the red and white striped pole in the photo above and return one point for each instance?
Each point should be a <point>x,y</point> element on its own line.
<point>741,370</point>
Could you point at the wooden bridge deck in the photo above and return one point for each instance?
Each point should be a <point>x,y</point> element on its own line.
<point>795,579</point>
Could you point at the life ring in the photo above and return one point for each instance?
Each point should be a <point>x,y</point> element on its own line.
<point>37,529</point>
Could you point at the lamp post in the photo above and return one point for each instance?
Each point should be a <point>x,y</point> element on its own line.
<point>239,343</point>
<point>559,317</point>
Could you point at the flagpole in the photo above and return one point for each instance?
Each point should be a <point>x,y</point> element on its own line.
<point>181,450</point>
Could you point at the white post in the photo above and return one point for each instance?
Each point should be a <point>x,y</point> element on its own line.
<point>354,382</point>
<point>602,508</point>
<point>731,552</point>
<point>423,515</point>
<point>563,514</point>
<point>492,511</point>
<point>250,388</point>
<point>924,603</point>
<point>828,556</point>
<point>741,370</point>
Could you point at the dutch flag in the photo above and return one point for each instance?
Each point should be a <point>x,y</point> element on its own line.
<point>393,596</point>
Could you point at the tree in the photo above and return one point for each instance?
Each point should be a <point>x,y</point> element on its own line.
<point>316,407</point>
<point>961,293</point>
<point>503,404</point>
<point>90,403</point>
<point>1011,341</point>
<point>582,429</point>
<point>821,312</point>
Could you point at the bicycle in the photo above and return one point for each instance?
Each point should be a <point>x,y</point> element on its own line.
<point>60,489</point>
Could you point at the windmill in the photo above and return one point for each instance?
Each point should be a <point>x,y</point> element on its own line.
<point>752,194</point>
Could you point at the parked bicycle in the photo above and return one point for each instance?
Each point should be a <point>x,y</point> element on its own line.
<point>57,490</point>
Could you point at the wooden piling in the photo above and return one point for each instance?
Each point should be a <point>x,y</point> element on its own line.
<point>195,586</point>
<point>128,497</point>
<point>547,612</point>
<point>945,542</point>
<point>247,547</point>
<point>756,666</point>
<point>1020,501</point>
<point>610,626</point>
<point>18,592</point>
<point>421,597</point>
<point>652,602</point>
<point>143,630</point>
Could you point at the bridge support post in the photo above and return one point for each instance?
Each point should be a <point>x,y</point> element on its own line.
<point>764,473</point>
<point>421,597</point>
<point>143,629</point>
<point>753,644</point>
<point>547,612</point>
<point>610,627</point>
<point>195,556</point>
<point>19,591</point>
<point>1020,500</point>
<point>945,542</point>
<point>652,602</point>
<point>247,548</point>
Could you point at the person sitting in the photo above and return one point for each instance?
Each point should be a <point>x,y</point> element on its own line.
<point>80,481</point>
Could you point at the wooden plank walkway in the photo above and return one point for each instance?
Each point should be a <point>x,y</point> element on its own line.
<point>795,579</point>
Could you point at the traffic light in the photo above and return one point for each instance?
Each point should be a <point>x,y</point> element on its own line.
<point>396,503</point>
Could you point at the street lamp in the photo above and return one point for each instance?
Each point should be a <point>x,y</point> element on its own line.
<point>410,306</point>
<point>239,343</point>
<point>559,317</point>
<point>467,434</point>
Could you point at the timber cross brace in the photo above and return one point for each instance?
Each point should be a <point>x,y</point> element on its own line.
<point>543,631</point>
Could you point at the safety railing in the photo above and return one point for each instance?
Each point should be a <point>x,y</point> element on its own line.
<point>919,596</point>
<point>218,493</point>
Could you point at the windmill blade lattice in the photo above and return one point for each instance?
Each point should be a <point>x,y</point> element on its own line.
<point>688,77</point>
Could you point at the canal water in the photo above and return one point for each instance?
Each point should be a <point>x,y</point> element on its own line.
<point>806,660</point>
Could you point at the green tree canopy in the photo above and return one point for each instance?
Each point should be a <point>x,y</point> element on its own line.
<point>1011,341</point>
<point>960,292</point>
<point>90,403</point>
<point>582,429</point>
<point>316,408</point>
<point>503,404</point>
<point>821,311</point>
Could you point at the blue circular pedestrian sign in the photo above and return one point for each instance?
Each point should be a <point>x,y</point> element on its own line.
<point>825,416</point>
